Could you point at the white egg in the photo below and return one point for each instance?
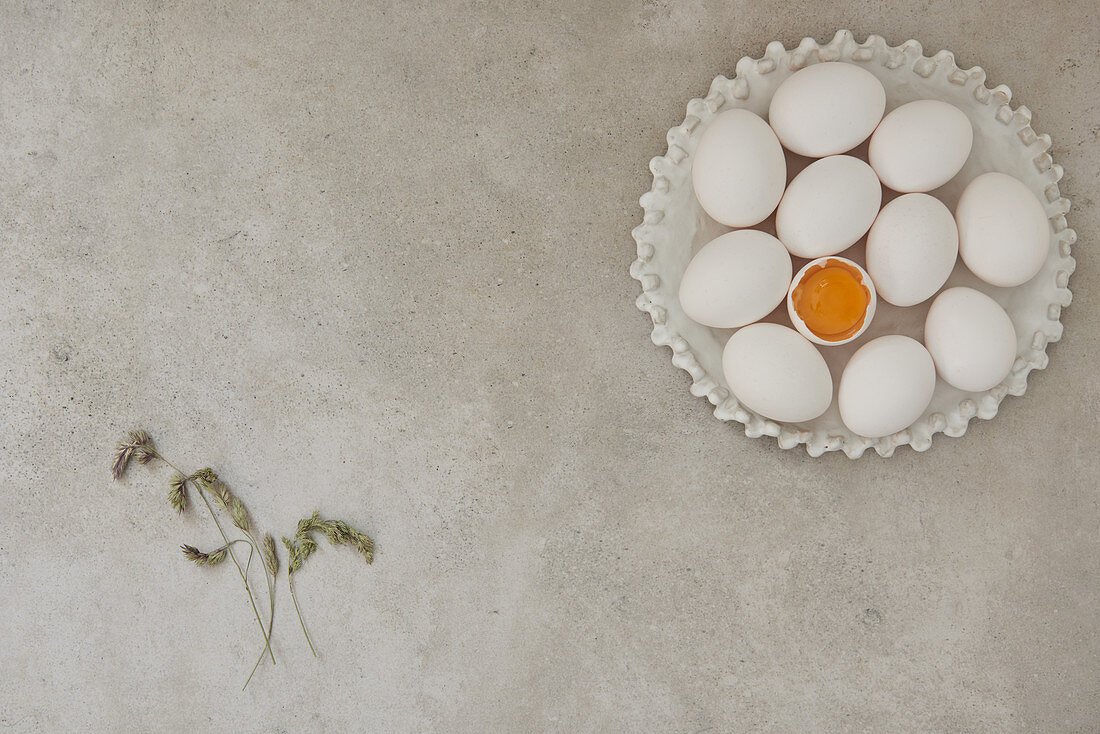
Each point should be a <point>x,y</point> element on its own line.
<point>738,170</point>
<point>886,386</point>
<point>736,279</point>
<point>1004,235</point>
<point>911,249</point>
<point>971,339</point>
<point>920,146</point>
<point>828,206</point>
<point>826,108</point>
<point>773,370</point>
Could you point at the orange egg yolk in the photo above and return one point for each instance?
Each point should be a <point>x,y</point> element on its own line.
<point>832,300</point>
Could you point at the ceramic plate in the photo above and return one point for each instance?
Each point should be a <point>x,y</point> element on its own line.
<point>674,228</point>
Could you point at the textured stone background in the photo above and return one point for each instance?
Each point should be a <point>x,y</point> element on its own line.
<point>373,260</point>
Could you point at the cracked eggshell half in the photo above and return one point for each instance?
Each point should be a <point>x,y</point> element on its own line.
<point>831,301</point>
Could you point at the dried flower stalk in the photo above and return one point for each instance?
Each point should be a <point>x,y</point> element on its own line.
<point>213,558</point>
<point>270,558</point>
<point>303,546</point>
<point>177,494</point>
<point>139,446</point>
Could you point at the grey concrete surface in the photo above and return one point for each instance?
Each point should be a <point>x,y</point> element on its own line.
<point>372,259</point>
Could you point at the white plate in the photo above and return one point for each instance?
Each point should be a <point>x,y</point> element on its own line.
<point>675,227</point>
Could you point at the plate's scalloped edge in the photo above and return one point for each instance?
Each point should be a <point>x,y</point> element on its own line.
<point>844,47</point>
